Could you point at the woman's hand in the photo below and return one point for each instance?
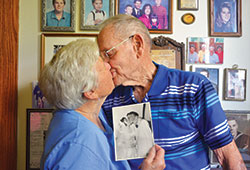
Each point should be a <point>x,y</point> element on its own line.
<point>154,160</point>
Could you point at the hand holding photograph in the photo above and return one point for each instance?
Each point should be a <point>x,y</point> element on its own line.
<point>132,131</point>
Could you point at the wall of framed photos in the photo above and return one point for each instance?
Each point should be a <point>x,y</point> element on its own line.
<point>235,52</point>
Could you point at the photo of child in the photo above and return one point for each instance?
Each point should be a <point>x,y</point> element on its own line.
<point>97,15</point>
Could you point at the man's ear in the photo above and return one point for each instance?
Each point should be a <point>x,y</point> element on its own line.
<point>138,45</point>
<point>90,95</point>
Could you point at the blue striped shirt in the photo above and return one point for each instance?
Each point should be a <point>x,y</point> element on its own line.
<point>187,117</point>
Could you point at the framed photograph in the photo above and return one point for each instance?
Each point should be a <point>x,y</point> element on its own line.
<point>37,125</point>
<point>212,73</point>
<point>93,14</point>
<point>235,84</point>
<point>168,52</point>
<point>188,4</point>
<point>133,132</point>
<point>156,15</point>
<point>225,18</point>
<point>50,43</point>
<point>58,15</point>
<point>204,50</point>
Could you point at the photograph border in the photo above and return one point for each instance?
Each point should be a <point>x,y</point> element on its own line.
<point>225,34</point>
<point>93,27</point>
<point>70,36</point>
<point>59,29</point>
<point>29,111</point>
<point>225,97</point>
<point>157,31</point>
<point>183,8</point>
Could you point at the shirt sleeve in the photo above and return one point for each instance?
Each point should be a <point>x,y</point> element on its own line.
<point>73,156</point>
<point>90,20</point>
<point>210,117</point>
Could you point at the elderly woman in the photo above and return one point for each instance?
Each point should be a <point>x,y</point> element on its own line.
<point>76,81</point>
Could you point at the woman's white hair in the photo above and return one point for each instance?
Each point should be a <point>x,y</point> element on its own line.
<point>70,73</point>
<point>125,25</point>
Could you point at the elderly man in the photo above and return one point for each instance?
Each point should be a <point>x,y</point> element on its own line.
<point>186,112</point>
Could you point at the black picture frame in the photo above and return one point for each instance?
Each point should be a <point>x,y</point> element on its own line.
<point>37,124</point>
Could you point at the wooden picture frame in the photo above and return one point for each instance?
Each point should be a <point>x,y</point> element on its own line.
<point>168,52</point>
<point>188,4</point>
<point>239,124</point>
<point>51,42</point>
<point>51,23</point>
<point>235,84</point>
<point>225,18</point>
<point>37,125</point>
<point>164,25</point>
<point>89,17</point>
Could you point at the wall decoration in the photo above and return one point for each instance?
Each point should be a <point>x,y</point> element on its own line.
<point>129,142</point>
<point>57,23</point>
<point>38,99</point>
<point>37,125</point>
<point>235,84</point>
<point>239,124</point>
<point>188,18</point>
<point>210,72</point>
<point>225,18</point>
<point>168,52</point>
<point>51,42</point>
<point>93,14</point>
<point>156,15</point>
<point>188,5</point>
<point>203,50</point>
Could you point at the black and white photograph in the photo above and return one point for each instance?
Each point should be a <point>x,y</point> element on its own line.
<point>132,131</point>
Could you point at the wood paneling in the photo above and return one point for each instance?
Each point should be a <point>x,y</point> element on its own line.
<point>9,15</point>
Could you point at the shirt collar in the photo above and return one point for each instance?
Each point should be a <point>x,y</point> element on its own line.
<point>54,15</point>
<point>160,80</point>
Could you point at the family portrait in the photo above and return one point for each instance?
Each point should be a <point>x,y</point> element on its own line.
<point>132,131</point>
<point>155,14</point>
<point>205,50</point>
<point>58,15</point>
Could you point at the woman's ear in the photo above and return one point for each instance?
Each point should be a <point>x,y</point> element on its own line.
<point>138,44</point>
<point>90,95</point>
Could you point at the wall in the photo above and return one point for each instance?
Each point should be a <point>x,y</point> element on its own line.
<point>29,53</point>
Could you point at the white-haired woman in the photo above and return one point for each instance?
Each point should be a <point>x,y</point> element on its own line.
<point>76,81</point>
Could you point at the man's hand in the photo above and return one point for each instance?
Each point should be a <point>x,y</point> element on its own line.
<point>154,160</point>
